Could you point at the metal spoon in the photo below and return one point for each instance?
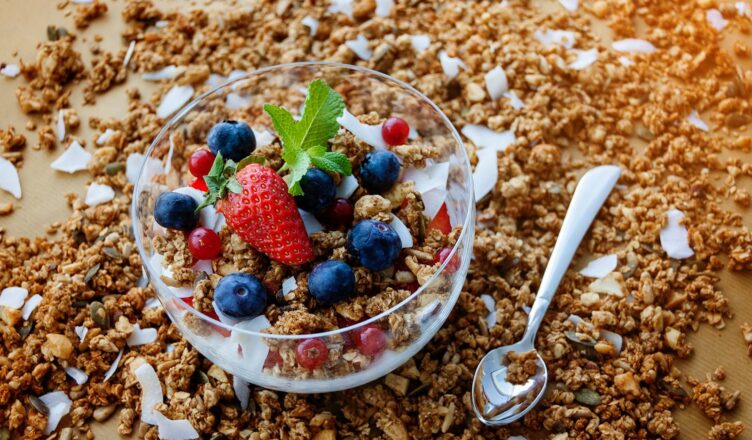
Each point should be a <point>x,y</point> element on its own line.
<point>496,401</point>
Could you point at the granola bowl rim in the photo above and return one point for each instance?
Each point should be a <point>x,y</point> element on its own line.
<point>154,276</point>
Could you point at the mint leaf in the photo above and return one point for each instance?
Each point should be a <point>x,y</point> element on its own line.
<point>319,122</point>
<point>330,161</point>
<point>297,162</point>
<point>283,123</point>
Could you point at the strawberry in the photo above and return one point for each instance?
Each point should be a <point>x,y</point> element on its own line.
<point>441,221</point>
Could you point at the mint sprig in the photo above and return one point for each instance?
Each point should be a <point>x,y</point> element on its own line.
<point>221,178</point>
<point>305,141</point>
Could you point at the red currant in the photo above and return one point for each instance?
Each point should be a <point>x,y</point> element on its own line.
<point>273,359</point>
<point>204,243</point>
<point>413,286</point>
<point>340,212</point>
<point>395,131</point>
<point>199,184</point>
<point>311,353</point>
<point>201,162</point>
<point>370,340</point>
<point>442,256</point>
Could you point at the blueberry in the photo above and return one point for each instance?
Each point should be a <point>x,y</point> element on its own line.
<point>379,170</point>
<point>235,140</point>
<point>373,244</point>
<point>331,281</point>
<point>176,211</point>
<point>240,295</point>
<point>318,191</point>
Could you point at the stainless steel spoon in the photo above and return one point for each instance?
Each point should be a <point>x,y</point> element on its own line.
<point>496,401</point>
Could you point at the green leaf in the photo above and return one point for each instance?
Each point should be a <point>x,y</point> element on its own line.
<point>249,160</point>
<point>319,122</point>
<point>234,186</point>
<point>298,162</point>
<point>218,166</point>
<point>283,123</point>
<point>333,162</point>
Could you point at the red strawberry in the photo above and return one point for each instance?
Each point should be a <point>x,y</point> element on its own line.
<point>265,216</point>
<point>441,221</point>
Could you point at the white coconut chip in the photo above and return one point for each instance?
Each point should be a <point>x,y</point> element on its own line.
<point>360,47</point>
<point>715,18</point>
<point>675,237</point>
<point>370,134</point>
<point>341,6</point>
<point>235,74</point>
<point>214,80</point>
<point>152,303</point>
<point>203,266</point>
<point>311,23</point>
<point>98,194</point>
<point>626,61</point>
<point>496,82</point>
<point>129,54</point>
<point>242,391</point>
<point>82,2</point>
<point>81,332</point>
<point>694,119</point>
<point>113,367</point>
<point>585,59</point>
<point>9,180</point>
<point>263,137</point>
<point>312,225</point>
<point>420,42</point>
<point>491,306</point>
<point>134,163</point>
<point>404,233</point>
<point>59,405</point>
<point>60,126</point>
<point>10,70</point>
<point>384,7</point>
<point>288,285</point>
<point>486,173</point>
<point>174,429</point>
<point>161,24</point>
<point>77,375</point>
<point>554,37</point>
<point>610,284</point>
<point>432,201</point>
<point>169,348</point>
<point>484,137</point>
<point>347,187</point>
<point>104,137</point>
<point>141,336</point>
<point>633,45</point>
<point>167,72</point>
<point>743,9</point>
<point>13,297</point>
<point>31,304</point>
<point>514,101</point>
<point>450,65</point>
<point>517,437</point>
<point>614,338</point>
<point>428,178</point>
<point>569,5</point>
<point>151,392</point>
<point>254,348</point>
<point>234,101</point>
<point>600,267</point>
<point>174,100</point>
<point>75,158</point>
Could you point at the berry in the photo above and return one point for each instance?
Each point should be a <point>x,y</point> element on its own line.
<point>199,184</point>
<point>273,359</point>
<point>373,244</point>
<point>318,191</point>
<point>204,244</point>
<point>395,131</point>
<point>331,281</point>
<point>340,212</point>
<point>211,314</point>
<point>441,222</point>
<point>176,211</point>
<point>442,256</point>
<point>412,286</point>
<point>265,216</point>
<point>379,170</point>
<point>370,340</point>
<point>200,163</point>
<point>235,140</point>
<point>311,353</point>
<point>240,295</point>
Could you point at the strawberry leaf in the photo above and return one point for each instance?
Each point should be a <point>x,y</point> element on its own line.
<point>249,160</point>
<point>221,177</point>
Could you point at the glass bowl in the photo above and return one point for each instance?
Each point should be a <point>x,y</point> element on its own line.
<point>268,360</point>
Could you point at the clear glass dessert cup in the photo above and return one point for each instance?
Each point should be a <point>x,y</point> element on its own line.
<point>244,350</point>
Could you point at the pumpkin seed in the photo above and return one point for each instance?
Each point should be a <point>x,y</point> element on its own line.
<point>91,272</point>
<point>98,314</point>
<point>218,436</point>
<point>113,168</point>
<point>79,304</point>
<point>203,377</point>
<point>200,277</point>
<point>111,252</point>
<point>54,33</point>
<point>572,336</point>
<point>39,405</point>
<point>4,434</point>
<point>675,391</point>
<point>588,397</point>
<point>26,330</point>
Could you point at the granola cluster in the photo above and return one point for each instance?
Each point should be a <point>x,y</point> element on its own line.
<point>628,109</point>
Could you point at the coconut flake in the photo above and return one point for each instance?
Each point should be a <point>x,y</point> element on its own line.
<point>77,375</point>
<point>60,126</point>
<point>141,336</point>
<point>633,45</point>
<point>347,187</point>
<point>743,9</point>
<point>214,80</point>
<point>614,338</point>
<point>173,100</point>
<point>311,23</point>
<point>31,304</point>
<point>484,137</point>
<point>486,172</point>
<point>152,303</point>
<point>98,194</point>
<point>263,137</point>
<point>432,201</point>
<point>208,216</point>
<point>75,158</point>
<point>428,178</point>
<point>151,392</point>
<point>341,6</point>
<point>134,163</point>
<point>569,5</point>
<point>167,72</point>
<point>113,368</point>
<point>13,297</point>
<point>675,237</point>
<point>288,285</point>
<point>610,284</point>
<point>360,47</point>
<point>404,233</point>
<point>161,24</point>
<point>491,306</point>
<point>517,437</point>
<point>234,101</point>
<point>514,101</point>
<point>82,2</point>
<point>129,53</point>
<point>585,59</point>
<point>554,37</point>
<point>600,267</point>
<point>496,82</point>
<point>450,65</point>
<point>694,119</point>
<point>420,42</point>
<point>254,348</point>
<point>370,134</point>
<point>59,405</point>
<point>384,7</point>
<point>81,332</point>
<point>242,391</point>
<point>10,70</point>
<point>626,61</point>
<point>715,18</point>
<point>9,180</point>
<point>104,137</point>
<point>174,429</point>
<point>311,224</point>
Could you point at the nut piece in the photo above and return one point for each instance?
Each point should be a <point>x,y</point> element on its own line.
<point>103,413</point>
<point>397,383</point>
<point>327,434</point>
<point>58,346</point>
<point>627,384</point>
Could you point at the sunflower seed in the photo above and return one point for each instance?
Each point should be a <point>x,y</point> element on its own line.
<point>98,314</point>
<point>588,397</point>
<point>91,272</point>
<point>111,252</point>
<point>39,405</point>
<point>113,168</point>
<point>572,336</point>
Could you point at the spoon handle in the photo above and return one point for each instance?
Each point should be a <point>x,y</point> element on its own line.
<point>590,194</point>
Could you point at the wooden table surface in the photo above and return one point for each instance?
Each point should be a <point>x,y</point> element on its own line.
<point>23,24</point>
